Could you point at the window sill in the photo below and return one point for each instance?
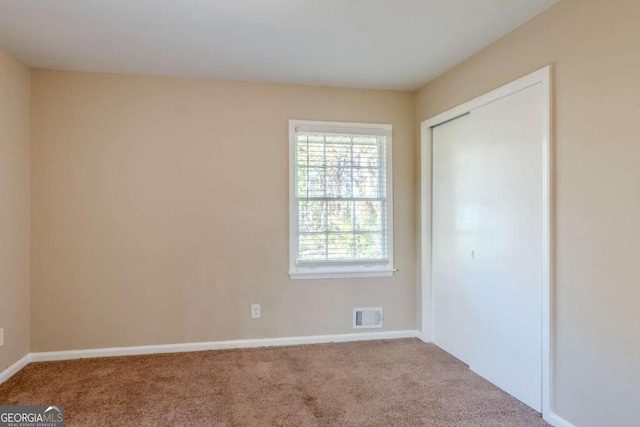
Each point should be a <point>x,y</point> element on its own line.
<point>341,274</point>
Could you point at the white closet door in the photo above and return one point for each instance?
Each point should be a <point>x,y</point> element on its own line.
<point>453,216</point>
<point>487,242</point>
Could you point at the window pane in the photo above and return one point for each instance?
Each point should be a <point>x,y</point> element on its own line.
<point>310,151</point>
<point>312,216</point>
<point>338,182</point>
<point>302,175</point>
<point>369,216</point>
<point>312,247</point>
<point>341,246</point>
<point>369,246</point>
<point>340,216</point>
<point>366,155</point>
<point>366,183</point>
<point>338,151</point>
<point>314,183</point>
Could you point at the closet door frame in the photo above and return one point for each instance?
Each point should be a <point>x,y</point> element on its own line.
<point>543,77</point>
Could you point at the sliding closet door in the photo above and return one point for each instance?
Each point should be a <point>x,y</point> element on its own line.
<point>487,241</point>
<point>453,217</point>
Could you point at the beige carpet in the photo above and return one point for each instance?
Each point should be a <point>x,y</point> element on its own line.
<point>374,383</point>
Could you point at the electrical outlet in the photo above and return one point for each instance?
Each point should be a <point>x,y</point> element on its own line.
<point>1,337</point>
<point>255,311</point>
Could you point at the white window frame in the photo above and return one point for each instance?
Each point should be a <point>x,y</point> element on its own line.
<point>331,270</point>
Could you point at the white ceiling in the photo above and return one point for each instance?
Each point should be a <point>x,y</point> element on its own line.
<point>382,44</point>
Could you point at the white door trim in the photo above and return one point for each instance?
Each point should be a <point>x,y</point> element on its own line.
<point>543,77</point>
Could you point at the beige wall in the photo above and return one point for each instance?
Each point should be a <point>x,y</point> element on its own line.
<point>14,208</point>
<point>594,47</point>
<point>160,211</point>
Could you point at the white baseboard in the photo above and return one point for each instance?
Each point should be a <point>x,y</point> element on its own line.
<point>199,346</point>
<point>13,369</point>
<point>557,421</point>
<point>217,345</point>
<point>423,337</point>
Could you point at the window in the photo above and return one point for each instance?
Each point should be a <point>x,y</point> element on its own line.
<point>341,212</point>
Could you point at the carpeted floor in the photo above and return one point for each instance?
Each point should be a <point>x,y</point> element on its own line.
<point>374,383</point>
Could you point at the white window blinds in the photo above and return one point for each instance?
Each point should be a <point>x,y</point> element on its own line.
<point>341,195</point>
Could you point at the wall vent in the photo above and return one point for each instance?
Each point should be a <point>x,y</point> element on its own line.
<point>365,318</point>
